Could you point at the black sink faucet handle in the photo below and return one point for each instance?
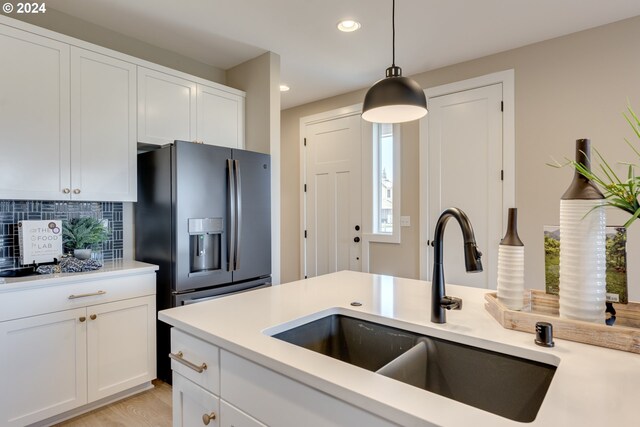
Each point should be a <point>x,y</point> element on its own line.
<point>451,303</point>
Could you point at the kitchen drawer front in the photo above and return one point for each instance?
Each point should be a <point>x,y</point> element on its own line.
<point>233,417</point>
<point>195,360</point>
<point>193,405</point>
<point>60,296</point>
<point>277,400</point>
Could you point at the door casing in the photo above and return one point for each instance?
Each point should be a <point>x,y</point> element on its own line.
<point>507,78</point>
<point>304,122</point>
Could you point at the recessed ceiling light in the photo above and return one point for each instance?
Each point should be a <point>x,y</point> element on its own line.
<point>284,88</point>
<point>348,25</point>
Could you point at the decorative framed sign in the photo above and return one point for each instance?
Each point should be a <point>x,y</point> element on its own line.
<point>40,241</point>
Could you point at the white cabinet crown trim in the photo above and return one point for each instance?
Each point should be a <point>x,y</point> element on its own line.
<point>115,54</point>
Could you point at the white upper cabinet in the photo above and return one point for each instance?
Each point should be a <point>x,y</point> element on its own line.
<point>172,107</point>
<point>166,108</point>
<point>34,116</point>
<point>67,121</point>
<point>103,127</point>
<point>72,114</point>
<point>220,117</point>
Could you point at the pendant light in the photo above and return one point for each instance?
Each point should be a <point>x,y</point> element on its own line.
<point>394,99</point>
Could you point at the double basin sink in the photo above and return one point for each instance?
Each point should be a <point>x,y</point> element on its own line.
<point>505,385</point>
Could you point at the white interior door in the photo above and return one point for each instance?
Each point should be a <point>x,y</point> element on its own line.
<point>465,171</point>
<point>334,196</point>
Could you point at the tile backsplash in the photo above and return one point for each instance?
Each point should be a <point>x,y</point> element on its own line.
<point>12,211</point>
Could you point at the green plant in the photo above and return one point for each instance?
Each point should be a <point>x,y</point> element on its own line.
<point>82,233</point>
<point>619,192</point>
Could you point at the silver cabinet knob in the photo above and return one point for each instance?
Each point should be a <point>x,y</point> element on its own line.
<point>207,418</point>
<point>76,191</point>
<point>66,190</point>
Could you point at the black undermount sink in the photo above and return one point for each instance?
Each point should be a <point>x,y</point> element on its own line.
<point>505,385</point>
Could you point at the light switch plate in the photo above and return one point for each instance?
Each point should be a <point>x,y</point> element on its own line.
<point>405,221</point>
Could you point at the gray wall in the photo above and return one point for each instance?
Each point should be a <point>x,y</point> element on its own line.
<point>260,79</point>
<point>566,88</point>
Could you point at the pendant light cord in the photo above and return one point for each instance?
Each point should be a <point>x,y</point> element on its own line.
<point>393,31</point>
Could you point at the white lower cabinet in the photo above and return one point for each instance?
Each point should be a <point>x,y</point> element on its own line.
<point>120,348</point>
<point>277,400</point>
<point>231,416</point>
<point>251,395</point>
<point>43,366</point>
<point>193,405</point>
<point>98,346</point>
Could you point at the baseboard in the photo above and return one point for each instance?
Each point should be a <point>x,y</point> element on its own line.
<point>93,405</point>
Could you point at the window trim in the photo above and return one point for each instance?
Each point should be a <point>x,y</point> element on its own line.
<point>372,182</point>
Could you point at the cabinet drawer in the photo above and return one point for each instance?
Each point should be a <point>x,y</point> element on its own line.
<point>195,360</point>
<point>56,297</point>
<point>233,417</point>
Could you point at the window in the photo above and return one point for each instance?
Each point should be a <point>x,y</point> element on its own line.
<point>385,179</point>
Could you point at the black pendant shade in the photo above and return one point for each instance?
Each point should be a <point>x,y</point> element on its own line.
<point>394,99</point>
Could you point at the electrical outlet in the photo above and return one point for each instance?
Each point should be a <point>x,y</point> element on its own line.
<point>405,221</point>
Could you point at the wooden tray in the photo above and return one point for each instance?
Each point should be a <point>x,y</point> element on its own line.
<point>541,307</point>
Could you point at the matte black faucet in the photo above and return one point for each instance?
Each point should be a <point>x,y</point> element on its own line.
<point>439,301</point>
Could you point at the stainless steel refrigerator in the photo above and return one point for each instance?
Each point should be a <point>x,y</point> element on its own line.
<point>204,217</point>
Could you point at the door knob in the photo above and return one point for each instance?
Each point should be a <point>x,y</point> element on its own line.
<point>93,317</point>
<point>357,228</point>
<point>356,239</point>
<point>82,319</point>
<point>66,190</point>
<point>76,191</point>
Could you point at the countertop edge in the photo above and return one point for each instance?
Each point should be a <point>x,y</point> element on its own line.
<point>110,270</point>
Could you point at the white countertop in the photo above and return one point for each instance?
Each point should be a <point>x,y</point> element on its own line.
<point>109,269</point>
<point>592,386</point>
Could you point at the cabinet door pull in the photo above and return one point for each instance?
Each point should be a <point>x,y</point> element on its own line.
<point>82,319</point>
<point>76,191</point>
<point>87,295</point>
<point>66,190</point>
<point>207,418</point>
<point>178,357</point>
<point>93,317</point>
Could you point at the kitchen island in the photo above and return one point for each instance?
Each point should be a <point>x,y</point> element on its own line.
<point>272,382</point>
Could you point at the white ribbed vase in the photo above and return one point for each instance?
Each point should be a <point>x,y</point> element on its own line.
<point>511,276</point>
<point>583,260</point>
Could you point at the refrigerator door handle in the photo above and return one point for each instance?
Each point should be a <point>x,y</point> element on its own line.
<point>231,238</point>
<point>238,214</point>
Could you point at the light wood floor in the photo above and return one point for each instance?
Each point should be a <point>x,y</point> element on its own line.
<point>150,408</point>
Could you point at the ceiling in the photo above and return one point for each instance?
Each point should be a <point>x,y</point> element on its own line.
<point>318,61</point>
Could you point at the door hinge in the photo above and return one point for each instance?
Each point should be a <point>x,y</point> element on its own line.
<point>502,175</point>
<point>305,142</point>
<point>305,234</point>
<point>305,188</point>
<point>501,105</point>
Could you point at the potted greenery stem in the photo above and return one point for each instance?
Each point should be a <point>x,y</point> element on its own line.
<point>81,234</point>
<point>620,192</point>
